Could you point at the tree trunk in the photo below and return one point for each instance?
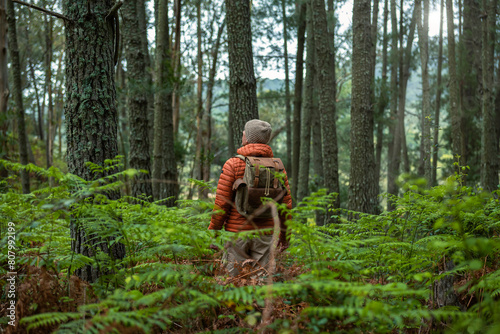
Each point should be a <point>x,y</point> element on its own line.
<point>209,98</point>
<point>392,171</point>
<point>4,89</point>
<point>297,102</point>
<point>362,182</point>
<point>143,32</point>
<point>439,89</point>
<point>325,64</point>
<point>177,62</point>
<point>288,109</point>
<point>242,83</point>
<point>470,85</point>
<point>90,110</point>
<point>50,104</point>
<point>489,156</point>
<point>199,100</point>
<point>455,112</point>
<point>423,39</point>
<point>39,107</point>
<point>165,166</point>
<point>307,111</point>
<point>18,94</point>
<point>137,102</point>
<point>383,100</point>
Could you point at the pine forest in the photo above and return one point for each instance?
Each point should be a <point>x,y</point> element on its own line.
<point>249,166</point>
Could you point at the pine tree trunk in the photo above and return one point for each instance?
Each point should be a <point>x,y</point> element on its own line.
<point>439,89</point>
<point>383,100</point>
<point>199,98</point>
<point>325,64</point>
<point>4,88</point>
<point>392,171</point>
<point>165,166</point>
<point>307,110</point>
<point>362,183</point>
<point>137,102</point>
<point>50,104</point>
<point>423,36</point>
<point>288,110</point>
<point>470,86</point>
<point>18,94</point>
<point>455,112</point>
<point>242,83</point>
<point>489,156</point>
<point>297,103</point>
<point>90,110</point>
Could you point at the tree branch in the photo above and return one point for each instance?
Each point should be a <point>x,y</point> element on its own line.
<point>46,11</point>
<point>114,9</point>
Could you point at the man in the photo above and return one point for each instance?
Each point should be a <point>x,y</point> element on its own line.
<point>256,135</point>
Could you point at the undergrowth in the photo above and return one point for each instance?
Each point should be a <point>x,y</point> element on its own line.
<point>428,266</point>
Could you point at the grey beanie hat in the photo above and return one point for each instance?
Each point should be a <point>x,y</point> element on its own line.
<point>257,131</point>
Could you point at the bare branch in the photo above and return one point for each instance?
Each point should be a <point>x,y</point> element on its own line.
<point>46,11</point>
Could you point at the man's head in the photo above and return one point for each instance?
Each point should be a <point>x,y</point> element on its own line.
<point>256,132</point>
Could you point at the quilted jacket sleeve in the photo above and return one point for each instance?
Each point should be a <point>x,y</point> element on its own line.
<point>283,217</point>
<point>223,196</point>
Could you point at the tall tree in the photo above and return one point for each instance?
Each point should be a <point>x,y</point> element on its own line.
<point>423,41</point>
<point>242,84</point>
<point>300,13</point>
<point>48,84</point>
<point>307,111</point>
<point>90,110</point>
<point>164,163</point>
<point>383,99</point>
<point>18,94</point>
<point>288,110</point>
<point>362,182</point>
<point>439,90</point>
<point>455,112</point>
<point>4,85</point>
<point>325,63</point>
<point>137,103</point>
<point>489,149</point>
<point>177,63</point>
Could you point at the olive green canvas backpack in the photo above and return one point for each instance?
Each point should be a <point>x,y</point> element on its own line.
<point>260,181</point>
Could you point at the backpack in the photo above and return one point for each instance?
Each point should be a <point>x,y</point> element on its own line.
<point>258,182</point>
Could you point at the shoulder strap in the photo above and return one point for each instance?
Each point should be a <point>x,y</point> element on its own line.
<point>242,157</point>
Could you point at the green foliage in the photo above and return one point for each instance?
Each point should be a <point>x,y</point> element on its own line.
<point>374,274</point>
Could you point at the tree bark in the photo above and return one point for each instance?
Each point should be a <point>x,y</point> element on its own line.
<point>489,156</point>
<point>137,102</point>
<point>300,11</point>
<point>4,87</point>
<point>325,63</point>
<point>362,182</point>
<point>439,89</point>
<point>242,84</point>
<point>383,100</point>
<point>177,62</point>
<point>50,104</point>
<point>18,94</point>
<point>165,166</point>
<point>423,39</point>
<point>90,110</point>
<point>455,111</point>
<point>307,110</point>
<point>199,100</point>
<point>288,110</point>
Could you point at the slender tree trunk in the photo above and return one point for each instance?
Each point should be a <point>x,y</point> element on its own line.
<point>325,63</point>
<point>90,110</point>
<point>39,107</point>
<point>143,32</point>
<point>18,94</point>
<point>362,182</point>
<point>454,107</point>
<point>489,156</point>
<point>288,109</point>
<point>137,102</point>
<point>439,89</point>
<point>177,62</point>
<point>50,103</point>
<point>4,90</point>
<point>165,166</point>
<point>242,83</point>
<point>209,98</point>
<point>307,110</point>
<point>392,171</point>
<point>297,103</point>
<point>383,99</point>
<point>423,36</point>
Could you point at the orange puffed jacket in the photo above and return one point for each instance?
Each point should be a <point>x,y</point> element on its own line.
<point>232,170</point>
